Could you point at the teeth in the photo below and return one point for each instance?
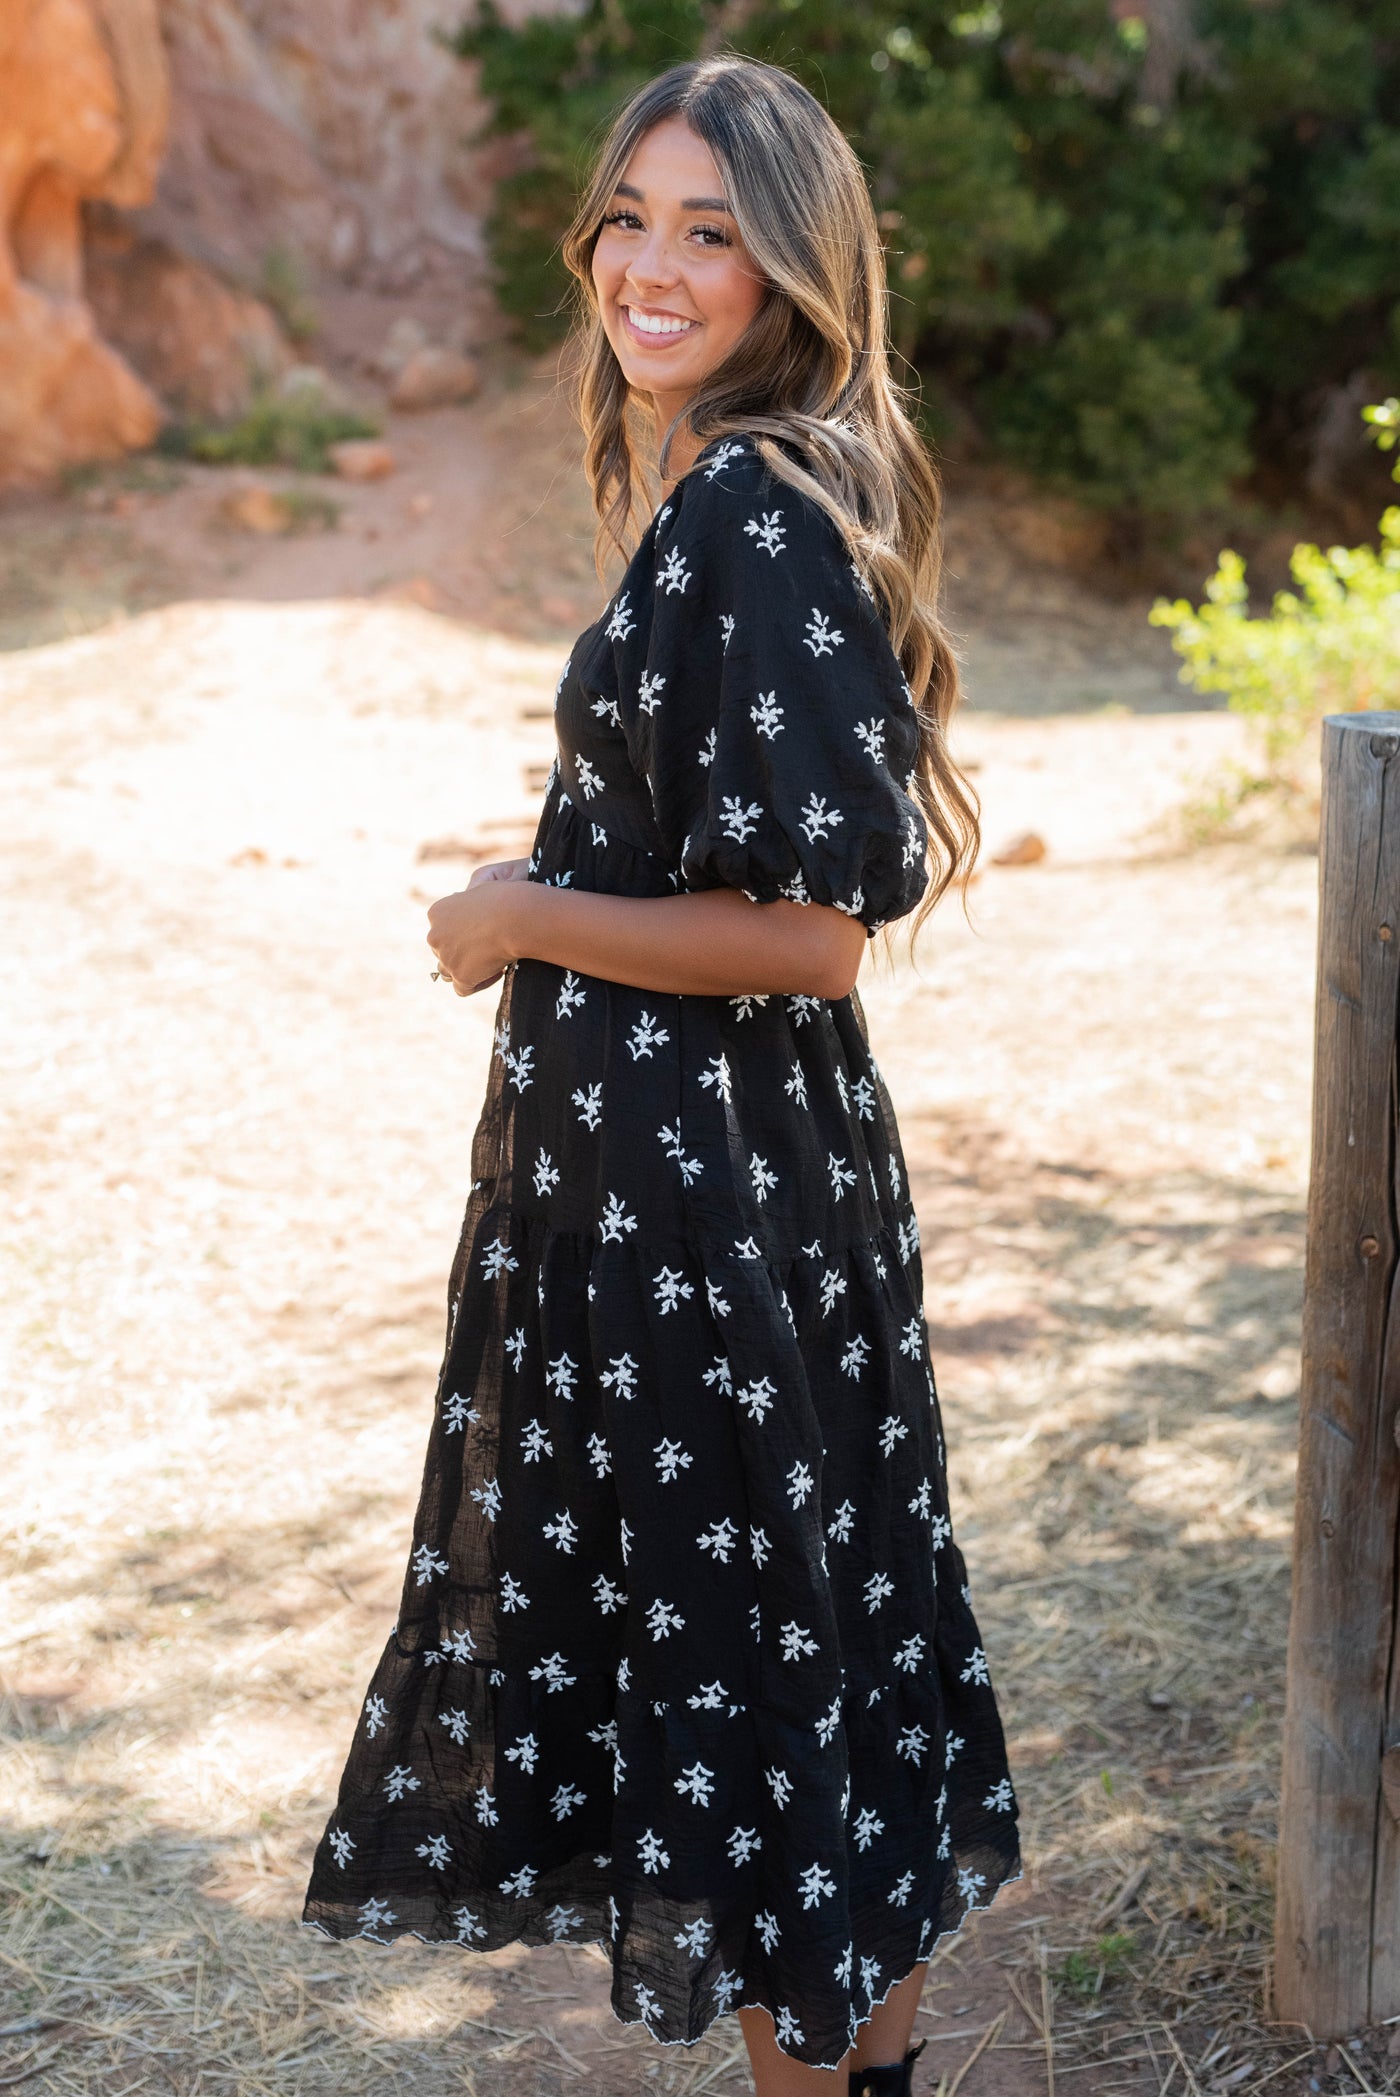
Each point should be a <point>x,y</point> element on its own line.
<point>657,323</point>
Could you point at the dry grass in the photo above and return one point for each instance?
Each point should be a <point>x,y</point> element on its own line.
<point>235,1144</point>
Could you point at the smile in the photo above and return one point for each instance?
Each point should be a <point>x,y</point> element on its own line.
<point>656,326</point>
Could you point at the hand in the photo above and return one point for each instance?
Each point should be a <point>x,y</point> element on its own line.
<point>465,931</point>
<point>501,870</point>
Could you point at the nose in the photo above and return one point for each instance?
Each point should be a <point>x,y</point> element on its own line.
<point>654,267</point>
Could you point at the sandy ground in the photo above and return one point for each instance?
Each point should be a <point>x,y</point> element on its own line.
<point>235,1118</point>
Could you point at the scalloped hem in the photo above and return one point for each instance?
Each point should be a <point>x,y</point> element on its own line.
<point>975,1907</point>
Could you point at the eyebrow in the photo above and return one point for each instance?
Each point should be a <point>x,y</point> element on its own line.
<point>625,189</point>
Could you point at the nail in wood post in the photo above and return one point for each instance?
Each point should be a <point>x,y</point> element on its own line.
<point>1337,1946</point>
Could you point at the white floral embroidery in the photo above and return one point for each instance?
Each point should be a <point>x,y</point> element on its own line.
<point>497,1258</point>
<point>737,821</point>
<point>822,637</point>
<point>427,1565</point>
<point>757,1399</point>
<point>726,452</point>
<point>671,1460</point>
<point>770,534</point>
<point>458,1412</point>
<point>590,1104</point>
<point>872,735</point>
<point>797,1642</point>
<point>662,1620</point>
<point>646,1035</point>
<point>614,1221</point>
<point>621,623</point>
<point>767,716</point>
<point>649,694</point>
<point>697,1784</point>
<point>764,1181</point>
<point>653,1856</point>
<point>670,1288</point>
<point>817,819</point>
<point>621,1376</point>
<point>673,574</point>
<point>815,1885</point>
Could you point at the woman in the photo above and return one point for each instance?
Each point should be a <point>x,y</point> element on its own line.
<point>686,1662</point>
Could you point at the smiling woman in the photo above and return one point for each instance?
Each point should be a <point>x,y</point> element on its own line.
<point>686,1659</point>
<point>676,287</point>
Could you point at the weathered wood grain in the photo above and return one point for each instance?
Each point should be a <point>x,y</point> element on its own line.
<point>1337,1953</point>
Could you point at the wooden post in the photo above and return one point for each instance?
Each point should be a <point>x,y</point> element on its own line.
<point>1337,1944</point>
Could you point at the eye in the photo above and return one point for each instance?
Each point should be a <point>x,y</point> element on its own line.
<point>712,236</point>
<point>616,218</point>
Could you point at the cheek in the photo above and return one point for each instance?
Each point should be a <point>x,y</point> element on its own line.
<point>735,297</point>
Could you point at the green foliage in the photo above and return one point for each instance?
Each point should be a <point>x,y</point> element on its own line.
<point>1137,267</point>
<point>1331,645</point>
<point>284,287</point>
<point>1086,1971</point>
<point>291,426</point>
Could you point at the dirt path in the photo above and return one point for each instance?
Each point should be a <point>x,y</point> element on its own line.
<point>236,1119</point>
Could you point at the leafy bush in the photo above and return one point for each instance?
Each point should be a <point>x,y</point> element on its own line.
<point>1086,1971</point>
<point>1140,264</point>
<point>291,426</point>
<point>1332,645</point>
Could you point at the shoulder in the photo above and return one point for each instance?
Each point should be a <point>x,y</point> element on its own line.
<point>736,514</point>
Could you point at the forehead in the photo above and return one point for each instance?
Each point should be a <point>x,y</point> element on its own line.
<point>669,162</point>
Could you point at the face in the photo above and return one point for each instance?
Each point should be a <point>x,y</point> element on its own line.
<point>676,286</point>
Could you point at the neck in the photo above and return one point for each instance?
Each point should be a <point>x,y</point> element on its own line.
<point>685,446</point>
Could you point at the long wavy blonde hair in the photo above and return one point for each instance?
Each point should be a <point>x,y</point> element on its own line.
<point>809,381</point>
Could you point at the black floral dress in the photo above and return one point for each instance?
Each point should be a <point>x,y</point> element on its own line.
<point>686,1661</point>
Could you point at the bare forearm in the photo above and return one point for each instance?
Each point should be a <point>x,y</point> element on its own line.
<point>713,944</point>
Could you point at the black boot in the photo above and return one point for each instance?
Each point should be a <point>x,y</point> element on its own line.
<point>895,2081</point>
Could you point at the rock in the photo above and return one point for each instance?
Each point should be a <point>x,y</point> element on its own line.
<point>202,345</point>
<point>416,589</point>
<point>257,509</point>
<point>337,131</point>
<point>362,459</point>
<point>434,378</point>
<point>404,340</point>
<point>84,89</point>
<point>1026,850</point>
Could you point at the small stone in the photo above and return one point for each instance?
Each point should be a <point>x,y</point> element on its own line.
<point>434,378</point>
<point>256,509</point>
<point>362,459</point>
<point>1333,2060</point>
<point>1026,850</point>
<point>1392,2050</point>
<point>404,340</point>
<point>415,589</point>
<point>1159,1700</point>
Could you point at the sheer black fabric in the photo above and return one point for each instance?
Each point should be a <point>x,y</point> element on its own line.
<point>686,1661</point>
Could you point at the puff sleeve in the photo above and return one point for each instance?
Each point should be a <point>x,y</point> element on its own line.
<point>771,716</point>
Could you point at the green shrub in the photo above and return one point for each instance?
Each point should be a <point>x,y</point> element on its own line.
<point>291,426</point>
<point>1139,267</point>
<point>1086,1971</point>
<point>1331,645</point>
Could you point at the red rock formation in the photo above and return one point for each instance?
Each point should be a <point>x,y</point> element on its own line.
<point>84,90</point>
